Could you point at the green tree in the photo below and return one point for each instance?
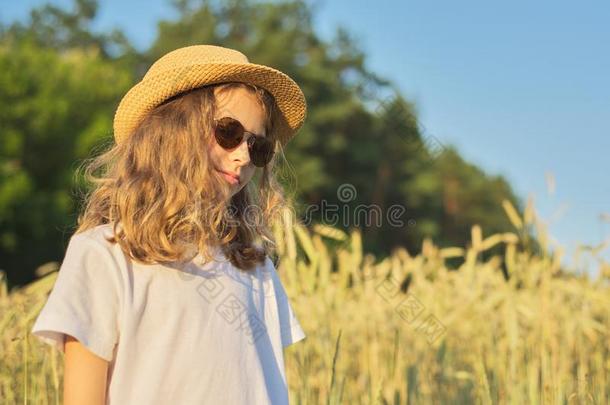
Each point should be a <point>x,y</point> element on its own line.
<point>57,101</point>
<point>61,83</point>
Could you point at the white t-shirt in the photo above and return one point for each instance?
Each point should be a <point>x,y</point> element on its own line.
<point>207,333</point>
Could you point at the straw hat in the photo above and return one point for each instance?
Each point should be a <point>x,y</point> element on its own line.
<point>194,66</point>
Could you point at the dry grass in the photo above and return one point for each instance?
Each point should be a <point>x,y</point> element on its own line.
<point>456,337</point>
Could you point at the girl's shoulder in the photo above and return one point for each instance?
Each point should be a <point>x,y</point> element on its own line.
<point>272,280</point>
<point>87,296</point>
<point>98,236</point>
<point>99,232</point>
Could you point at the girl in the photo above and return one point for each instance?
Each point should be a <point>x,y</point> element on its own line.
<point>166,293</point>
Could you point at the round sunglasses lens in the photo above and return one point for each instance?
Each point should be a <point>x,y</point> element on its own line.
<point>228,132</point>
<point>261,151</point>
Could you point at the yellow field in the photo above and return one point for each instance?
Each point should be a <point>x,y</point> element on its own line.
<point>455,337</point>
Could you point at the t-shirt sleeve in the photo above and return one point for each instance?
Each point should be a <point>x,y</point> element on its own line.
<point>290,327</point>
<point>85,300</point>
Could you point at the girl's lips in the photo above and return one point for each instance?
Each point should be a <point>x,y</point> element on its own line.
<point>229,178</point>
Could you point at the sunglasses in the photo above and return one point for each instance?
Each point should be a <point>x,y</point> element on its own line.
<point>229,133</point>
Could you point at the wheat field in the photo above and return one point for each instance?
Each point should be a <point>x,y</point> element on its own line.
<point>401,329</point>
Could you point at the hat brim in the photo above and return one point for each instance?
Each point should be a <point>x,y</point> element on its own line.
<point>152,91</point>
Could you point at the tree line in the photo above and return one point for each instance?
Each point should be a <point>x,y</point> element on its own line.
<point>360,147</point>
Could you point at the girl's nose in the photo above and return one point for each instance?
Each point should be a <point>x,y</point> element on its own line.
<point>241,153</point>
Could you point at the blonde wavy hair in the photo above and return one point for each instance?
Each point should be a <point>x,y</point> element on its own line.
<point>166,203</point>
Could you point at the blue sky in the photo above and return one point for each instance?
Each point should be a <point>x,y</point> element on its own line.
<point>521,88</point>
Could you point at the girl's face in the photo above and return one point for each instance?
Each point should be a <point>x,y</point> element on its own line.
<point>243,106</point>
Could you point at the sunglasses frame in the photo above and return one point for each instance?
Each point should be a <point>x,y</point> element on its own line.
<point>251,141</point>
